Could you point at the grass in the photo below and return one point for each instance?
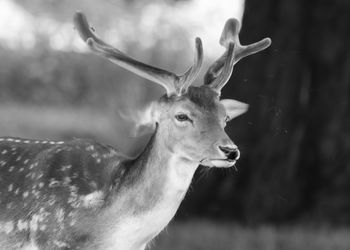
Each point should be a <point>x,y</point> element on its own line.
<point>206,235</point>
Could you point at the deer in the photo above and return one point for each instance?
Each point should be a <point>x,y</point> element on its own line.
<point>81,194</point>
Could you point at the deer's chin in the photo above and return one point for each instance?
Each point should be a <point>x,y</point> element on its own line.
<point>219,163</point>
<point>223,163</point>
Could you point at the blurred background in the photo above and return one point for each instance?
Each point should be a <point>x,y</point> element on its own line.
<point>292,183</point>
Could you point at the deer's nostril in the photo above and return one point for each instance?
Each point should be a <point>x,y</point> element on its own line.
<point>232,153</point>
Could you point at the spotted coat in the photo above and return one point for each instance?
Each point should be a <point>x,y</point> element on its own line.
<point>49,189</point>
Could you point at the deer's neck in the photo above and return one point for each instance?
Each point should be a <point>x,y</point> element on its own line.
<point>158,175</point>
<point>148,196</point>
<point>175,169</point>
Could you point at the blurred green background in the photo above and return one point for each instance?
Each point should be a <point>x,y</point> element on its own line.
<point>291,187</point>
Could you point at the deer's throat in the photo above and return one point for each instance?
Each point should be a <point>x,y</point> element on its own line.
<point>157,182</point>
<point>157,175</point>
<point>164,175</point>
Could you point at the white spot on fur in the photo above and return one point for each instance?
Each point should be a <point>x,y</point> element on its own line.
<point>22,225</point>
<point>73,197</point>
<point>66,167</point>
<point>30,246</point>
<point>36,193</point>
<point>51,201</point>
<point>6,227</point>
<point>92,200</point>
<point>33,224</point>
<point>60,244</point>
<point>53,183</point>
<point>31,166</point>
<point>60,215</point>
<point>72,222</point>
<point>37,218</point>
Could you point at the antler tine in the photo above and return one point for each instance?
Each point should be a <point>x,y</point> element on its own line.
<point>252,48</point>
<point>220,71</point>
<point>192,73</point>
<point>166,79</point>
<point>84,29</point>
<point>227,62</point>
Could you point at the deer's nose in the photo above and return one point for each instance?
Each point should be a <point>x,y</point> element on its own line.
<point>231,152</point>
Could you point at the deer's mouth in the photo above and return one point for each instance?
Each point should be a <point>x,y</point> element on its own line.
<point>219,163</point>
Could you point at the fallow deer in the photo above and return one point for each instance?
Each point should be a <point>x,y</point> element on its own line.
<point>81,194</point>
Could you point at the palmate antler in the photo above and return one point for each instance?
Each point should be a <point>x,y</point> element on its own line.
<point>220,71</point>
<point>173,83</point>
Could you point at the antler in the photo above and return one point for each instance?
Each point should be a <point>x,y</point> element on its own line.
<point>220,71</point>
<point>173,83</point>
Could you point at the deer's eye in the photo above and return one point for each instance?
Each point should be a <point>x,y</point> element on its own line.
<point>227,118</point>
<point>182,117</point>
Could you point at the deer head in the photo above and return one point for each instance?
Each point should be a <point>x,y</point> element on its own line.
<point>190,120</point>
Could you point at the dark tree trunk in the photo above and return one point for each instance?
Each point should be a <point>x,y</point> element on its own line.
<point>295,139</point>
<point>298,94</point>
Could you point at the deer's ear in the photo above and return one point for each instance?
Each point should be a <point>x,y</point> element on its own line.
<point>234,108</point>
<point>143,121</point>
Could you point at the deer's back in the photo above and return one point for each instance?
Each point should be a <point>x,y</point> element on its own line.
<point>50,189</point>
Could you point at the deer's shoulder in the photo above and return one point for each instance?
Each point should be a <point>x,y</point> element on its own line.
<point>80,163</point>
<point>48,186</point>
<point>86,161</point>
